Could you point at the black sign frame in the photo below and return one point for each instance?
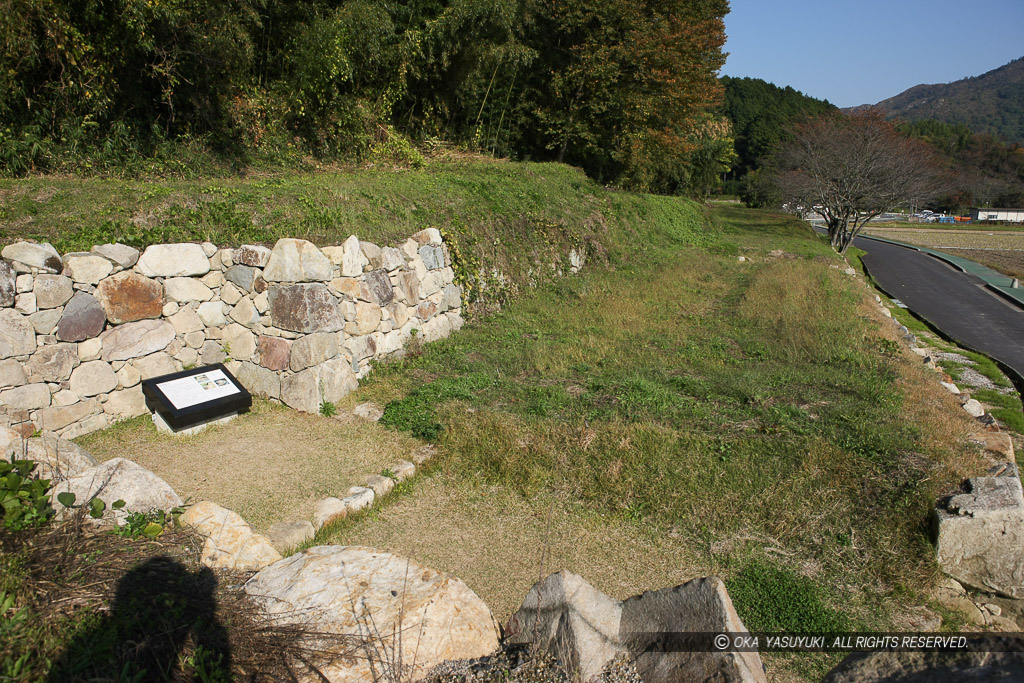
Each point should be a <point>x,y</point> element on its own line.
<point>183,418</point>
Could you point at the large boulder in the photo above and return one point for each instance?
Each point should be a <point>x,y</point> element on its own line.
<point>295,260</point>
<point>173,260</point>
<point>56,459</point>
<point>42,256</point>
<point>329,381</point>
<point>928,667</point>
<point>120,479</point>
<point>586,630</point>
<point>980,534</point>
<point>399,609</point>
<point>127,297</point>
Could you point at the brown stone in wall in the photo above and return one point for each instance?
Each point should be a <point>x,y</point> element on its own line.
<point>83,317</point>
<point>304,308</point>
<point>274,353</point>
<point>127,297</point>
<point>7,281</point>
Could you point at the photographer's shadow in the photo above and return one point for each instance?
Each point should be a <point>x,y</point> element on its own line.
<point>162,625</point>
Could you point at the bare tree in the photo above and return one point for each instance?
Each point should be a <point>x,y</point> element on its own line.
<point>851,168</point>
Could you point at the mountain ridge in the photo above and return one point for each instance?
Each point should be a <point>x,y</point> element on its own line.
<point>992,102</point>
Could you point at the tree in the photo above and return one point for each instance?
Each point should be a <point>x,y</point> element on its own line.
<point>851,168</point>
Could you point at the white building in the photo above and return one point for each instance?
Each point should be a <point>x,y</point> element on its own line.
<point>1004,215</point>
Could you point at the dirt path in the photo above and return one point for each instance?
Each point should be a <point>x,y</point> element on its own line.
<point>269,465</point>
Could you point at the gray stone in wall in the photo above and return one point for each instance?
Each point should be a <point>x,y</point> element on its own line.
<point>154,365</point>
<point>87,268</point>
<point>92,378</point>
<point>42,256</point>
<point>313,349</point>
<point>17,336</point>
<point>304,308</point>
<point>133,340</point>
<point>55,418</point>
<point>239,342</point>
<point>26,397</point>
<point>83,318</point>
<point>361,347</point>
<point>52,290</point>
<point>126,402</point>
<point>352,259</point>
<point>211,313</point>
<point>45,322</point>
<point>8,278</point>
<point>212,352</point>
<point>452,297</point>
<point>121,254</point>
<point>242,276</point>
<point>53,363</point>
<point>389,259</point>
<point>186,289</point>
<point>128,296</point>
<point>295,260</point>
<point>328,381</point>
<point>259,381</point>
<point>381,291</point>
<point>251,255</point>
<point>12,373</point>
<point>433,257</point>
<point>174,260</point>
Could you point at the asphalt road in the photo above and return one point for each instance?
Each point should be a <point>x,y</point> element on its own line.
<point>955,303</point>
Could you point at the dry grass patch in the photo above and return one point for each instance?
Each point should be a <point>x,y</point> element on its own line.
<point>493,539</point>
<point>269,465</point>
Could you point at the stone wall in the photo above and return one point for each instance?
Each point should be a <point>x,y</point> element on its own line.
<point>295,323</point>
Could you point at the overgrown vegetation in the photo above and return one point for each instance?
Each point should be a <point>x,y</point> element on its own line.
<point>621,88</point>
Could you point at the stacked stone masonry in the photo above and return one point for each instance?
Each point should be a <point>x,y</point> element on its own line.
<point>295,323</point>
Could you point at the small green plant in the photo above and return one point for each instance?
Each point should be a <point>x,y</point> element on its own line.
<point>144,524</point>
<point>23,497</point>
<point>96,506</point>
<point>328,409</point>
<point>389,473</point>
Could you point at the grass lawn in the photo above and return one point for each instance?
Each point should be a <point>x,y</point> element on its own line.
<point>682,415</point>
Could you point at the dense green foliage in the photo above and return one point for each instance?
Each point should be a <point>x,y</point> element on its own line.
<point>984,170</point>
<point>760,112</point>
<point>991,103</point>
<point>623,89</point>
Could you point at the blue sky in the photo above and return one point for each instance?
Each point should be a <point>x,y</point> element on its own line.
<point>854,52</point>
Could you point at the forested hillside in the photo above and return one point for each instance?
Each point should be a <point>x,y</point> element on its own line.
<point>760,112</point>
<point>627,90</point>
<point>990,103</point>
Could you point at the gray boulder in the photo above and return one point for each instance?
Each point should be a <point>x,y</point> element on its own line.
<point>120,479</point>
<point>928,667</point>
<point>586,630</point>
<point>980,534</point>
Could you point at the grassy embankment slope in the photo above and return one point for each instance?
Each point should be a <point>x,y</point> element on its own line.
<point>675,413</point>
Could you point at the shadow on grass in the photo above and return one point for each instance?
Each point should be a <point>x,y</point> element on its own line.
<point>162,625</point>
